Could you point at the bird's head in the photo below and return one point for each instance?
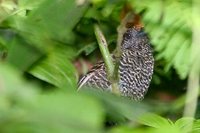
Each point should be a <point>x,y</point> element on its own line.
<point>134,38</point>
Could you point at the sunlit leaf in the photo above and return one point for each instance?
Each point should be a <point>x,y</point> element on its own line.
<point>7,7</point>
<point>154,120</point>
<point>184,124</point>
<point>196,126</point>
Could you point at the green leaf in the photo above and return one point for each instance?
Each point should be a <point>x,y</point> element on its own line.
<point>184,124</point>
<point>56,69</point>
<point>196,126</point>
<point>55,113</point>
<point>88,48</point>
<point>127,129</point>
<point>154,120</point>
<point>14,89</point>
<point>28,111</point>
<point>22,55</point>
<point>7,7</point>
<point>29,4</point>
<point>68,113</point>
<point>42,26</point>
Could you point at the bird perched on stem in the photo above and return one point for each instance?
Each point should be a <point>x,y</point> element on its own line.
<point>135,67</point>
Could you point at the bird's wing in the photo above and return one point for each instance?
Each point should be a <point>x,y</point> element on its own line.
<point>94,72</point>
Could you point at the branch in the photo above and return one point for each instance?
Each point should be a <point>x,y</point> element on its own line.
<point>193,79</point>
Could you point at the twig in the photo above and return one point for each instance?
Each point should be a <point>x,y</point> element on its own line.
<point>121,29</point>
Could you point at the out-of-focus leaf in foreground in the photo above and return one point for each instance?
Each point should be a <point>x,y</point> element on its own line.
<point>23,109</point>
<point>7,7</point>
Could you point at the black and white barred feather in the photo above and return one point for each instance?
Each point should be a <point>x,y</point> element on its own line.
<point>135,67</point>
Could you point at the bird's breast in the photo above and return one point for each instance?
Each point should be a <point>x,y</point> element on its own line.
<point>135,73</point>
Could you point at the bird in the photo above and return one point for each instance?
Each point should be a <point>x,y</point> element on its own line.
<point>135,71</point>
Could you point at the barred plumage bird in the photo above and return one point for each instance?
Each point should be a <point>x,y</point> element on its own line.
<point>135,67</point>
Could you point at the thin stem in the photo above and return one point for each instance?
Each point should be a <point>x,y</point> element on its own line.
<point>107,58</point>
<point>104,50</point>
<point>121,29</point>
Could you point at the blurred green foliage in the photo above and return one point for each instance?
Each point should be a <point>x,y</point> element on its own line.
<point>40,41</point>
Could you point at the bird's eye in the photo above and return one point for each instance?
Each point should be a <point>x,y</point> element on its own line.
<point>127,36</point>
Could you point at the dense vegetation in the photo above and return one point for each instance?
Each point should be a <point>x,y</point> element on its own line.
<point>45,46</point>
